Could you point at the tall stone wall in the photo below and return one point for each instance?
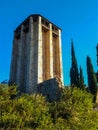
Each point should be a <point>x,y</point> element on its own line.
<point>36,55</point>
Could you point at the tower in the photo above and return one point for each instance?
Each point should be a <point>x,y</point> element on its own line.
<point>36,53</point>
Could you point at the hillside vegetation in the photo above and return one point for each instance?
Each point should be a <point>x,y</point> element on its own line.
<point>74,111</point>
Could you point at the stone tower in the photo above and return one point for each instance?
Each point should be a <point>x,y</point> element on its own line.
<point>36,54</point>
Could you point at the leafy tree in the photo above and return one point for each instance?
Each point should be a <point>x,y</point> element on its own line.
<point>26,111</point>
<point>81,79</point>
<point>74,110</point>
<point>92,82</point>
<point>74,75</point>
<point>32,112</point>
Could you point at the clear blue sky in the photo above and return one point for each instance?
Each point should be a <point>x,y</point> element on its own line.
<point>77,18</point>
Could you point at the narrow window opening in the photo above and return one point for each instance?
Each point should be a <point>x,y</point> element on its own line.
<point>26,26</point>
<point>18,32</point>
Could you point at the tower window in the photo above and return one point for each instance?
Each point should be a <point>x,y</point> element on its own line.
<point>44,22</point>
<point>26,26</point>
<point>54,29</point>
<point>35,19</point>
<point>18,32</point>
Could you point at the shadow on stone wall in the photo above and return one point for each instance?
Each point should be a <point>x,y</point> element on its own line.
<point>50,88</point>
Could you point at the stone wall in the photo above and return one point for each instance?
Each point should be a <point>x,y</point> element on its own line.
<point>36,56</point>
<point>50,88</point>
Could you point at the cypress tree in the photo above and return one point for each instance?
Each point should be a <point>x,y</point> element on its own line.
<point>74,75</point>
<point>92,82</point>
<point>81,79</point>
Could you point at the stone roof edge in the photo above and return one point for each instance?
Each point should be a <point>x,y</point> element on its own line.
<point>40,16</point>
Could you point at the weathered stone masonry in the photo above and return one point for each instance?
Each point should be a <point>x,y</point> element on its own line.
<point>37,54</point>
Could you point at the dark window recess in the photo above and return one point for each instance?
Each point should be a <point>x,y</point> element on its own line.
<point>18,32</point>
<point>26,26</point>
<point>47,24</point>
<point>44,29</point>
<point>54,35</point>
<point>44,22</point>
<point>35,18</point>
<point>55,29</point>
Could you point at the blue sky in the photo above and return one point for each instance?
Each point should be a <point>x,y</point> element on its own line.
<point>77,18</point>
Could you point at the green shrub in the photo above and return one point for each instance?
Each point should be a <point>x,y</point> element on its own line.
<point>74,111</point>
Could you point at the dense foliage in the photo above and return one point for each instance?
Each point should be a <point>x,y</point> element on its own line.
<point>74,111</point>
<point>92,81</point>
<point>81,79</point>
<point>74,75</point>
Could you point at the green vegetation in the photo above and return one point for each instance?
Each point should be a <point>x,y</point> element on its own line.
<point>74,111</point>
<point>74,75</point>
<point>77,79</point>
<point>92,81</point>
<point>81,79</point>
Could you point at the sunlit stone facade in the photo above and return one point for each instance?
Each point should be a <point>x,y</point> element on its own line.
<point>36,54</point>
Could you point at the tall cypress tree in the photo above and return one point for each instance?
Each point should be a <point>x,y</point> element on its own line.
<point>74,75</point>
<point>92,82</point>
<point>81,79</point>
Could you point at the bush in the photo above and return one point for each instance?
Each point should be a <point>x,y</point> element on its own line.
<point>75,108</point>
<point>74,111</point>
